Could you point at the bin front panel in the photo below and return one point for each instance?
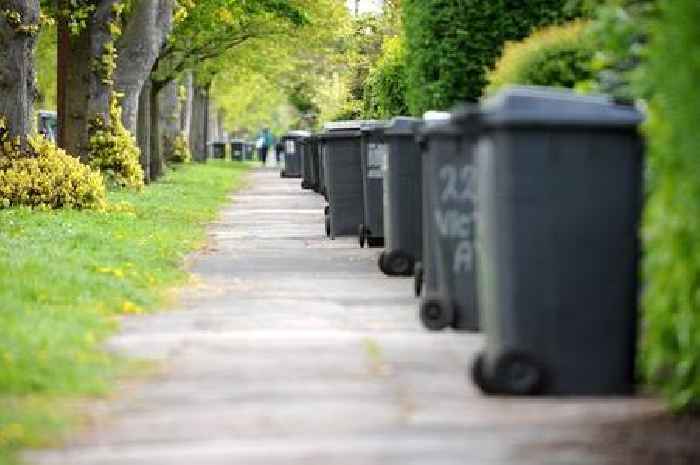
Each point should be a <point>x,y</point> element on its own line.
<point>374,154</point>
<point>449,262</point>
<point>403,196</point>
<point>344,184</point>
<point>558,252</point>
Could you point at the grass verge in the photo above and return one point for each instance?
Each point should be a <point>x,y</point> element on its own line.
<point>67,276</point>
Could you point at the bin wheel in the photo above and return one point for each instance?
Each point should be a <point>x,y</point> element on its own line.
<point>375,242</point>
<point>328,226</point>
<point>478,376</point>
<point>397,263</point>
<point>518,374</point>
<point>435,316</point>
<point>361,235</point>
<point>380,262</point>
<point>326,210</point>
<point>418,279</point>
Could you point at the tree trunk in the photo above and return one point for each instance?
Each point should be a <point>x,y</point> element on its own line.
<point>199,123</point>
<point>17,65</point>
<point>186,117</point>
<point>84,91</point>
<point>138,47</point>
<point>143,132</point>
<point>169,119</point>
<point>157,161</point>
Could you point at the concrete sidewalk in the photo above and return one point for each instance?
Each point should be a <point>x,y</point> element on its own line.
<point>294,350</point>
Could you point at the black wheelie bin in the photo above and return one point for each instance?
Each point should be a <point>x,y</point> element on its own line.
<point>373,159</point>
<point>402,198</point>
<point>237,149</point>
<point>342,177</point>
<point>308,162</point>
<point>292,154</point>
<point>449,213</point>
<point>560,198</point>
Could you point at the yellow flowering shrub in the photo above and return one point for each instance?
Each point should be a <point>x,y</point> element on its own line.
<point>181,150</point>
<point>45,176</point>
<point>113,150</point>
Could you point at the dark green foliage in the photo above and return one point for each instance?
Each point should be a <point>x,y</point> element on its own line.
<point>619,32</point>
<point>385,88</point>
<point>451,44</point>
<point>562,66</point>
<point>671,351</point>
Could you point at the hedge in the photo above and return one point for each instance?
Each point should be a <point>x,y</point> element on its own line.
<point>671,346</point>
<point>450,44</point>
<point>558,56</point>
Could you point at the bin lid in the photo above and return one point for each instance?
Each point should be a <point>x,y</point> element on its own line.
<point>371,125</point>
<point>532,105</point>
<point>353,125</point>
<point>402,125</point>
<point>237,141</point>
<point>297,134</point>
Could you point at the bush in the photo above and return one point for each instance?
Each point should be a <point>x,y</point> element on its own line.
<point>181,150</point>
<point>385,88</point>
<point>450,44</point>
<point>556,56</point>
<point>671,343</point>
<point>46,177</point>
<point>113,150</point>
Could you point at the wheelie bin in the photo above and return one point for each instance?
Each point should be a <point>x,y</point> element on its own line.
<point>308,164</point>
<point>237,149</point>
<point>373,159</point>
<point>292,154</point>
<point>217,150</point>
<point>401,198</point>
<point>560,197</point>
<point>342,177</point>
<point>448,271</point>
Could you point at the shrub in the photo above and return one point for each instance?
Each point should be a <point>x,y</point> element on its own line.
<point>181,150</point>
<point>554,56</point>
<point>671,344</point>
<point>46,177</point>
<point>450,44</point>
<point>385,88</point>
<point>113,150</point>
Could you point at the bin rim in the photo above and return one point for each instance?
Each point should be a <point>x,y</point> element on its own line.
<point>347,125</point>
<point>340,134</point>
<point>518,106</point>
<point>403,126</point>
<point>297,134</point>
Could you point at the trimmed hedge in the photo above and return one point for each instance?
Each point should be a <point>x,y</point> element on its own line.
<point>671,348</point>
<point>385,88</point>
<point>450,44</point>
<point>558,56</point>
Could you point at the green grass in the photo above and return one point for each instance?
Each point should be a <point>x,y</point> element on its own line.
<point>67,276</point>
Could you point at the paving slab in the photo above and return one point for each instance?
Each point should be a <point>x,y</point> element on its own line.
<point>290,348</point>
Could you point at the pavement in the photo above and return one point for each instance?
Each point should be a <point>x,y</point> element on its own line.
<point>292,349</point>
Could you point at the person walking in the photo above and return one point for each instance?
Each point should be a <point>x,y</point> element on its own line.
<point>263,143</point>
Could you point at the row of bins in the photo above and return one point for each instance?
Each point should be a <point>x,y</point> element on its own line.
<point>517,218</point>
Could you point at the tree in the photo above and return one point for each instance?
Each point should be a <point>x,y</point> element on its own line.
<point>19,25</point>
<point>86,62</point>
<point>138,48</point>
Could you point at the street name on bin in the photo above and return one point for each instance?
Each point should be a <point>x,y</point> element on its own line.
<point>457,186</point>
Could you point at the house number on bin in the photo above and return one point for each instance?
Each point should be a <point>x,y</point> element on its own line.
<point>459,183</point>
<point>457,222</point>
